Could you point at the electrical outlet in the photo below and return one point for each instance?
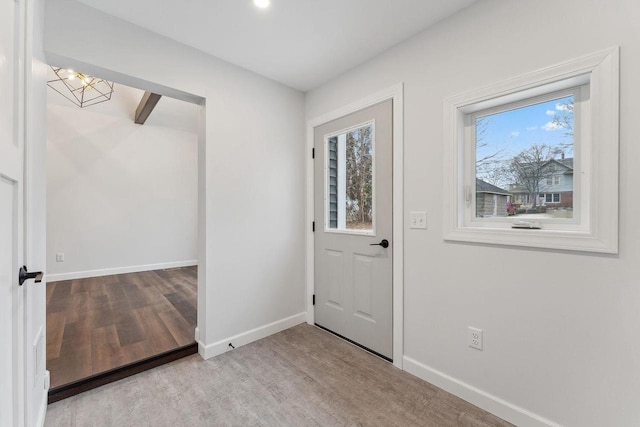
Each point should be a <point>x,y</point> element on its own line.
<point>418,220</point>
<point>60,257</point>
<point>474,338</point>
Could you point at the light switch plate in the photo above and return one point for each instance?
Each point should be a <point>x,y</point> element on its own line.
<point>418,220</point>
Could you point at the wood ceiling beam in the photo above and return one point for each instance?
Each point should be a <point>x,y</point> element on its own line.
<point>147,104</point>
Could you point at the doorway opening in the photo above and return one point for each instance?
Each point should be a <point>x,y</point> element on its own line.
<point>122,237</point>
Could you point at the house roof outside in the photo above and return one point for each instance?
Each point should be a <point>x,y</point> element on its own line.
<point>566,163</point>
<point>485,187</point>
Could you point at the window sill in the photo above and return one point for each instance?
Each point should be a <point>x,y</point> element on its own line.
<point>535,238</point>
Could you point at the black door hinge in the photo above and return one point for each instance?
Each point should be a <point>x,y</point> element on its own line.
<point>313,226</point>
<point>313,153</point>
<point>313,300</point>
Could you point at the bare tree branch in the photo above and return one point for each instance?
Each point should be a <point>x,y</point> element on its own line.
<point>490,166</point>
<point>563,119</point>
<point>531,166</point>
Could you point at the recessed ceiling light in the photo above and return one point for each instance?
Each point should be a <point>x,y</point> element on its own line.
<point>262,4</point>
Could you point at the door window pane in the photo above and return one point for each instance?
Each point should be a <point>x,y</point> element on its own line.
<point>350,180</point>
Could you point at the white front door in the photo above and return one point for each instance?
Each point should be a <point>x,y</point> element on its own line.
<point>353,234</point>
<point>11,229</point>
<point>22,212</point>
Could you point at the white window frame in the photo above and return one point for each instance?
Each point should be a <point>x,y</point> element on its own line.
<point>594,227</point>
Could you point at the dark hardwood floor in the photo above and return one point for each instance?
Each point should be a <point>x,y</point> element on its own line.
<point>95,325</point>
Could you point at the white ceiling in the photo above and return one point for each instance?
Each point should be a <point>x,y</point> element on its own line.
<point>301,43</point>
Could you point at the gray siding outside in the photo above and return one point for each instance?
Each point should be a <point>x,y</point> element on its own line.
<point>566,184</point>
<point>333,181</point>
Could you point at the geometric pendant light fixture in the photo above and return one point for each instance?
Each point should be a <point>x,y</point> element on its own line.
<point>81,89</point>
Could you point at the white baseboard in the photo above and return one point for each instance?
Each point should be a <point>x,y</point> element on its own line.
<point>490,403</point>
<point>119,270</point>
<point>217,348</point>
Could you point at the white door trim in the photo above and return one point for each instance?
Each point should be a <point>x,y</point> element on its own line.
<point>395,93</point>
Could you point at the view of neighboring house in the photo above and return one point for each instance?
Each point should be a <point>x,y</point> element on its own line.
<point>555,186</point>
<point>490,200</point>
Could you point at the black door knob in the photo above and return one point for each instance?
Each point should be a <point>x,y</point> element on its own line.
<point>384,243</point>
<point>24,274</point>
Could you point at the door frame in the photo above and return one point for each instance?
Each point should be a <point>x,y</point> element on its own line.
<point>22,408</point>
<point>31,84</point>
<point>394,93</point>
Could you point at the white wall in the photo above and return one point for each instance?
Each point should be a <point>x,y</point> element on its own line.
<point>560,329</point>
<point>251,202</point>
<point>120,195</point>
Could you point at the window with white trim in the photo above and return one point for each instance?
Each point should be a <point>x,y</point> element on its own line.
<point>552,198</point>
<point>553,180</point>
<point>535,146</point>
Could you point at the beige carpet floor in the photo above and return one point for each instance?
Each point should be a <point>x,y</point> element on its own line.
<point>300,377</point>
